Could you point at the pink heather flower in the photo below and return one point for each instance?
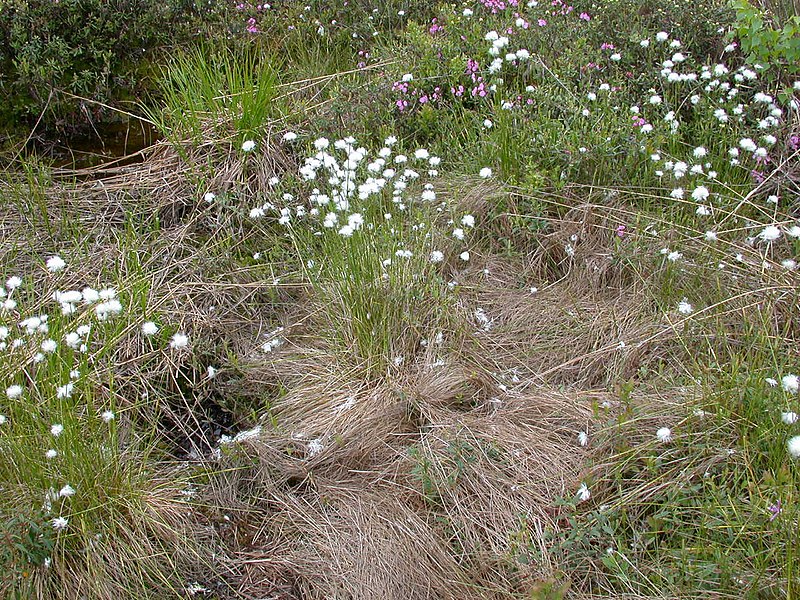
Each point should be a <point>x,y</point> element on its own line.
<point>584,17</point>
<point>542,22</point>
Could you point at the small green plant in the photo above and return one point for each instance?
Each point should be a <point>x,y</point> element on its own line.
<point>28,542</point>
<point>216,94</point>
<point>766,41</point>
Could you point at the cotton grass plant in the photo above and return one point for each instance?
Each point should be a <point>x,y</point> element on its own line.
<point>84,514</point>
<point>364,239</point>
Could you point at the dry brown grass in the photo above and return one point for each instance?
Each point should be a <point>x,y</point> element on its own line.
<point>431,486</point>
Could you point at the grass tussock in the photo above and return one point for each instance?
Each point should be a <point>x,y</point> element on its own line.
<point>443,463</point>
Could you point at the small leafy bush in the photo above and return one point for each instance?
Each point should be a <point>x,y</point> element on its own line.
<point>766,41</point>
<point>89,48</point>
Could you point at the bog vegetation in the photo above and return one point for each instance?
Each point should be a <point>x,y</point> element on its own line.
<point>491,300</point>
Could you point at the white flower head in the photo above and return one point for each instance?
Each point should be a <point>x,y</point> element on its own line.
<point>315,446</point>
<point>770,233</point>
<point>149,328</point>
<point>789,418</point>
<point>56,429</point>
<point>248,145</point>
<point>107,416</point>
<point>793,446</point>
<point>14,391</point>
<point>485,172</point>
<point>684,307</point>
<point>664,435</point>
<point>700,193</point>
<point>583,493</point>
<point>60,523</point>
<point>437,256</point>
<point>65,391</point>
<point>790,383</point>
<point>583,438</point>
<point>179,340</point>
<point>67,491</point>
<point>55,263</point>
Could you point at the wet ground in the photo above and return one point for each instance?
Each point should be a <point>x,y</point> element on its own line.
<point>104,143</point>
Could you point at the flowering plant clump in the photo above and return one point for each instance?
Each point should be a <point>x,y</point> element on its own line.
<point>58,434</point>
<point>361,224</point>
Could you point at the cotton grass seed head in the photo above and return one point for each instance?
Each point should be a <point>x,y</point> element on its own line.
<point>790,383</point>
<point>179,341</point>
<point>65,391</point>
<point>248,145</point>
<point>789,418</point>
<point>149,328</point>
<point>13,392</point>
<point>684,307</point>
<point>793,446</point>
<point>583,493</point>
<point>485,173</point>
<point>700,193</point>
<point>664,435</point>
<point>770,233</point>
<point>55,264</point>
